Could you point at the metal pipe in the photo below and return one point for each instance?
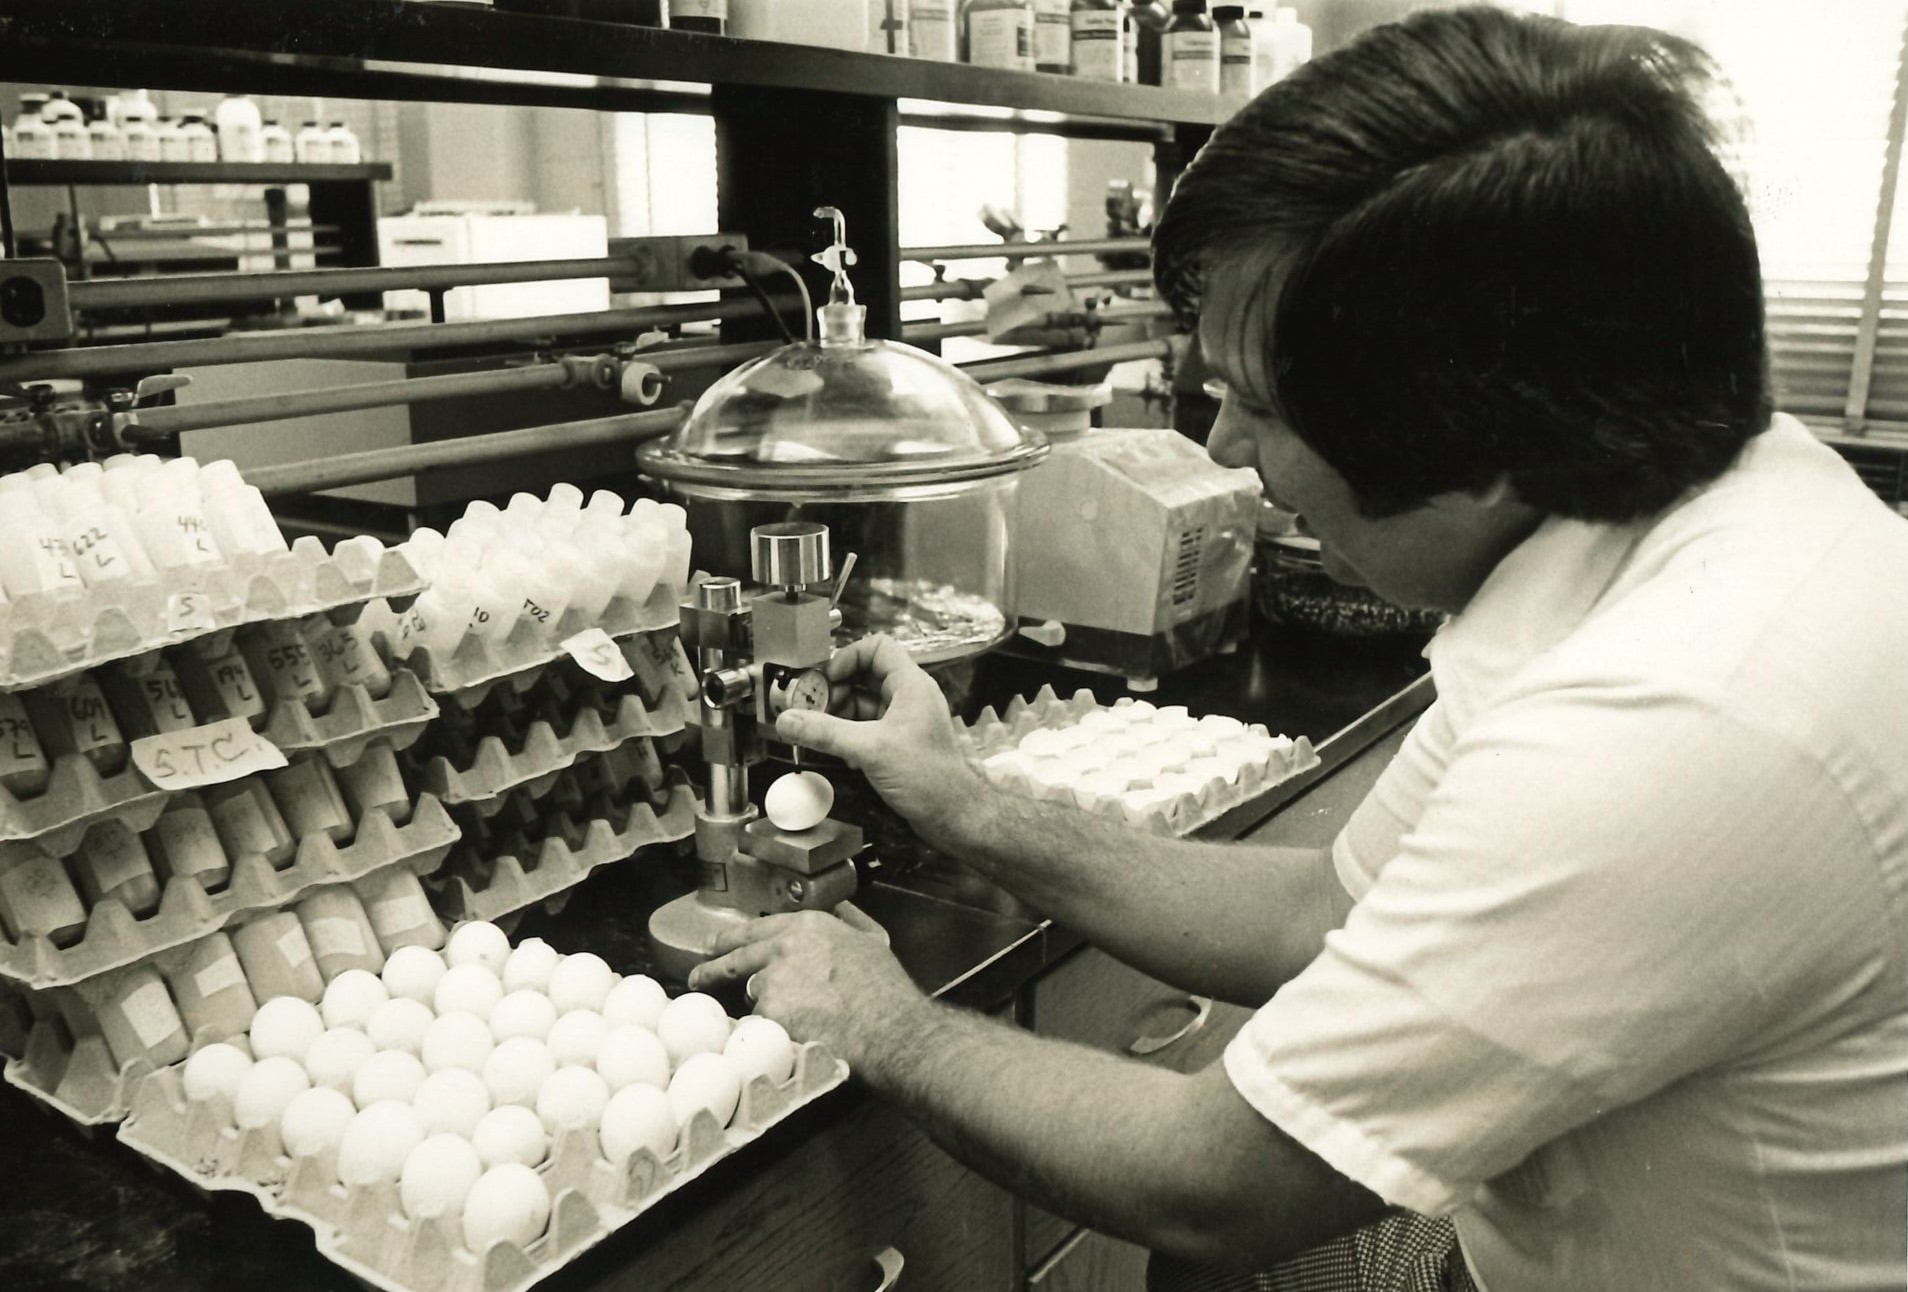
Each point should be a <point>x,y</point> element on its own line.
<point>970,289</point>
<point>1035,364</point>
<point>472,450</point>
<point>345,399</point>
<point>198,289</point>
<point>976,327</point>
<point>322,343</point>
<point>1029,250</point>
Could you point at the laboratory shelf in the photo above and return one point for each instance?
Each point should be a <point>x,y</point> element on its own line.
<point>33,172</point>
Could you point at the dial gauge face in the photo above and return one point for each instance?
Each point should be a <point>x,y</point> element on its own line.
<point>808,689</point>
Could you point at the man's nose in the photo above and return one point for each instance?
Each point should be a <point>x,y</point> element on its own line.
<point>1232,442</point>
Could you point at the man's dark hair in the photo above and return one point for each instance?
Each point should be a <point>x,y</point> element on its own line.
<point>1509,249</point>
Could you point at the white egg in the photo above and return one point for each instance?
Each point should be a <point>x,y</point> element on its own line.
<point>1043,743</point>
<point>350,998</point>
<point>413,972</point>
<point>637,999</point>
<point>581,981</point>
<point>315,1120</point>
<point>516,1068</point>
<point>477,943</point>
<point>285,1027</point>
<point>705,1081</point>
<point>335,1057</point>
<point>1008,762</point>
<point>522,1013</point>
<point>799,801</point>
<point>388,1075</point>
<point>1137,709</point>
<point>511,1133</point>
<point>759,1047</point>
<point>266,1088</point>
<point>1220,726</point>
<point>693,1023</point>
<point>1175,718</point>
<point>437,1176</point>
<point>215,1070</point>
<point>1101,720</point>
<point>576,1037</point>
<point>633,1056</point>
<point>467,989</point>
<point>529,965</point>
<point>1050,773</point>
<point>376,1143</point>
<point>451,1102</point>
<point>509,1203</point>
<point>456,1041</point>
<point>399,1024</point>
<point>572,1097</point>
<point>1103,784</point>
<point>638,1117</point>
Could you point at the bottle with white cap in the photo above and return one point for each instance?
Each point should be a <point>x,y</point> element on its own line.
<point>345,148</point>
<point>241,522</point>
<point>676,534</point>
<point>32,131</point>
<point>34,558</point>
<point>104,543</point>
<point>239,127</point>
<point>275,142</point>
<point>311,145</point>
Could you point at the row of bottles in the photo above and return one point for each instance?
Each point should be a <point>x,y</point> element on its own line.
<point>52,126</point>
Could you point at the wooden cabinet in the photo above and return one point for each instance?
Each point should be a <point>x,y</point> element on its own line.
<point>1090,1262</point>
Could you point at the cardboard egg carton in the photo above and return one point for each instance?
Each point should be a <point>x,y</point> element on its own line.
<point>466,674</point>
<point>365,1231</point>
<point>46,637</point>
<point>518,883</point>
<point>992,734</point>
<point>354,720</point>
<point>114,937</point>
<point>497,770</point>
<point>77,796</point>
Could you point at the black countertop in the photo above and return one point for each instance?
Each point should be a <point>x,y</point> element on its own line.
<point>79,1210</point>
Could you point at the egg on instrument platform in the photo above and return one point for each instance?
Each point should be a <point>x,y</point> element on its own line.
<point>799,801</point>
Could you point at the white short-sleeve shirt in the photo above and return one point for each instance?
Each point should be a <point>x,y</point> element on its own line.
<point>1626,988</point>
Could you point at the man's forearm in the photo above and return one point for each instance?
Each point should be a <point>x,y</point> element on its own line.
<point>1233,921</point>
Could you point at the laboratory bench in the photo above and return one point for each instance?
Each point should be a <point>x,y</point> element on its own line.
<point>846,1192</point>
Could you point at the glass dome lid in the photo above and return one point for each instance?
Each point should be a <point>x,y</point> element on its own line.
<point>842,414</point>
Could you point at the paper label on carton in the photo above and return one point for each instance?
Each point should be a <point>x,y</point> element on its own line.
<point>216,977</point>
<point>293,945</point>
<point>189,612</point>
<point>149,1009</point>
<point>335,936</point>
<point>208,755</point>
<point>658,659</point>
<point>597,654</point>
<point>399,914</point>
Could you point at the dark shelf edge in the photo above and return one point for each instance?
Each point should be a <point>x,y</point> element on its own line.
<point>33,171</point>
<point>358,32</point>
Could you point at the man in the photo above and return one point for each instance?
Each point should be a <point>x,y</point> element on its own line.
<point>1610,966</point>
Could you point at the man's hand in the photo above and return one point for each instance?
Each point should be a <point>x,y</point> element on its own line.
<point>896,729</point>
<point>816,974</point>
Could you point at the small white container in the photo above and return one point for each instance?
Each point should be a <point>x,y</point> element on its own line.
<point>276,142</point>
<point>32,138</point>
<point>201,144</point>
<point>345,148</point>
<point>108,143</point>
<point>312,145</point>
<point>239,128</point>
<point>140,141</point>
<point>838,24</point>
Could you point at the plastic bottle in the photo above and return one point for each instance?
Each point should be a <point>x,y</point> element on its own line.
<point>141,140</point>
<point>137,106</point>
<point>312,145</point>
<point>1150,21</point>
<point>32,132</point>
<point>172,523</point>
<point>201,144</point>
<point>1190,49</point>
<point>1000,34</point>
<point>1262,47</point>
<point>275,142</point>
<point>1053,36</point>
<point>103,542</point>
<point>933,30</point>
<point>107,141</point>
<point>173,144</point>
<point>1098,47</point>
<point>709,16</point>
<point>34,557</point>
<point>1291,43</point>
<point>345,149</point>
<point>1235,52</point>
<point>240,129</point>
<point>60,108</point>
<point>71,139</point>
<point>241,522</point>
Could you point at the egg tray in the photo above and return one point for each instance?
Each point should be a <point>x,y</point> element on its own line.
<point>558,867</point>
<point>365,1231</point>
<point>114,937</point>
<point>355,719</point>
<point>466,674</point>
<point>46,637</point>
<point>76,796</point>
<point>496,770</point>
<point>991,733</point>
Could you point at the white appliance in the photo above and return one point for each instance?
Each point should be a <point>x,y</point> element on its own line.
<point>482,238</point>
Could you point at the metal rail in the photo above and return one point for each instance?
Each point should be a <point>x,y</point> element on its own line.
<point>475,450</point>
<point>970,289</point>
<point>1068,361</point>
<point>199,289</point>
<point>1029,250</point>
<point>976,327</point>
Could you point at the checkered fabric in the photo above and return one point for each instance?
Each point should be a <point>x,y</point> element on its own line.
<point>1403,1253</point>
